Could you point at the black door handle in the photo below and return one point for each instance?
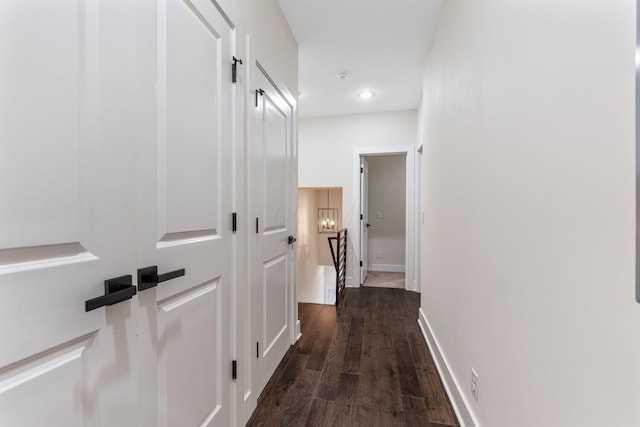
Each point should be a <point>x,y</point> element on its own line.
<point>148,277</point>
<point>115,290</point>
<point>292,239</point>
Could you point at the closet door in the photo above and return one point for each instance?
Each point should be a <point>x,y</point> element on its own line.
<point>271,179</point>
<point>67,213</point>
<point>185,184</point>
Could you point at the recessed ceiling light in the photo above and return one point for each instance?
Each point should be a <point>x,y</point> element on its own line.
<point>366,94</point>
<point>343,75</point>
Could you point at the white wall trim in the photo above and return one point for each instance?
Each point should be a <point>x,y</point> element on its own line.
<point>298,333</point>
<point>391,268</point>
<point>460,404</point>
<point>358,152</point>
<point>349,283</point>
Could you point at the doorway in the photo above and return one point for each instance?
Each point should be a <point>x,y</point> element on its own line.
<point>376,213</point>
<point>383,234</point>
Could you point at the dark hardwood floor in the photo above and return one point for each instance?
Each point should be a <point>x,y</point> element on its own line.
<point>364,363</point>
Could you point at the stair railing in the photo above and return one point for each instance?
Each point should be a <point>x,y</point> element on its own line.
<point>339,256</point>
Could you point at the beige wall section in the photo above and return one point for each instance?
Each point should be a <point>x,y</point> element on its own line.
<point>316,273</point>
<point>387,211</point>
<point>528,244</point>
<point>326,150</point>
<point>310,276</point>
<point>335,201</point>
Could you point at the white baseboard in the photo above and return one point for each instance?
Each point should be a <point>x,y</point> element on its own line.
<point>390,268</point>
<point>349,283</point>
<point>458,401</point>
<point>298,332</point>
<point>413,286</point>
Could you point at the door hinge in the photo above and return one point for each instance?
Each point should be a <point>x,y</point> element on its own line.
<point>234,222</point>
<point>360,263</point>
<point>259,92</point>
<point>234,369</point>
<point>361,216</point>
<point>257,350</point>
<point>257,226</point>
<point>234,69</point>
<point>361,169</point>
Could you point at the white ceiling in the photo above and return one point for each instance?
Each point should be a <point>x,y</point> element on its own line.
<point>382,43</point>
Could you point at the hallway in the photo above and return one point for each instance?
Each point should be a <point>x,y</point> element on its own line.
<point>364,363</point>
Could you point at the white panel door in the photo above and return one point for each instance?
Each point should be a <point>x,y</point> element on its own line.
<point>67,213</point>
<point>271,211</point>
<point>185,184</point>
<point>364,219</point>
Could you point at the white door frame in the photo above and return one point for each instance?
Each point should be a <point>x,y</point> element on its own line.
<point>418,221</point>
<point>364,219</point>
<point>409,151</point>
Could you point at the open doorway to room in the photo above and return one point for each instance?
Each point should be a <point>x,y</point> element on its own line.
<point>383,233</point>
<point>394,196</point>
<point>319,218</point>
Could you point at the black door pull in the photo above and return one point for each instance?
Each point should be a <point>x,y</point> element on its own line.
<point>116,290</point>
<point>292,240</point>
<point>148,277</point>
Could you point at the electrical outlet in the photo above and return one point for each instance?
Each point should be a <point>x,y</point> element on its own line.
<point>474,383</point>
<point>378,254</point>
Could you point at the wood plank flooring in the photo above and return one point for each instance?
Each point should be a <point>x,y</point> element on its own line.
<point>385,279</point>
<point>364,363</point>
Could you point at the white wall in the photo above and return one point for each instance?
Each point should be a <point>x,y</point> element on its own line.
<point>528,244</point>
<point>387,188</point>
<point>270,35</point>
<point>326,149</point>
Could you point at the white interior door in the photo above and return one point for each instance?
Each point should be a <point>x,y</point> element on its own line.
<point>271,209</point>
<point>364,218</point>
<point>67,213</point>
<point>185,215</point>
